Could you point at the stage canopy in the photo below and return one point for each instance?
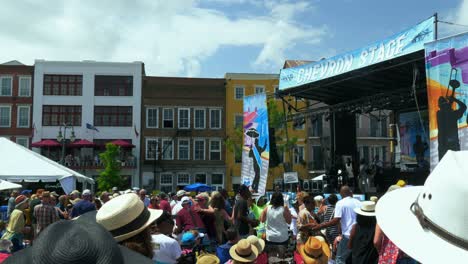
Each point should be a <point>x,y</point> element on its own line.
<point>21,164</point>
<point>383,75</point>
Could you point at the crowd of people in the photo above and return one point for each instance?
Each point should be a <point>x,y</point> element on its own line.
<point>136,227</point>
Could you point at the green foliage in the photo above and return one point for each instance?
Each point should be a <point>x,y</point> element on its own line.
<point>234,142</point>
<point>110,176</point>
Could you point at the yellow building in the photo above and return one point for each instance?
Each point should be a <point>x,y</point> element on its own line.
<point>239,85</point>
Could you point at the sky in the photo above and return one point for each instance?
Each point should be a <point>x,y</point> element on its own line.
<point>207,38</point>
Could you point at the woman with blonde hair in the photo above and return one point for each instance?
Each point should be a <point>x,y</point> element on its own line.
<point>16,227</point>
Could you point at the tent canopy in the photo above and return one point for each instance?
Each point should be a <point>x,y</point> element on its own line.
<point>21,164</point>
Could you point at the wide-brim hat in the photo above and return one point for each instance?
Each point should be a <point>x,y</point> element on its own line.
<point>90,243</point>
<point>315,251</point>
<point>257,242</point>
<point>367,208</point>
<point>126,216</point>
<point>421,222</point>
<point>243,251</point>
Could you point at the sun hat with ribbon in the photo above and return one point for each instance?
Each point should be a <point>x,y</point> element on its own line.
<point>421,222</point>
<point>125,216</point>
<point>20,200</point>
<point>76,242</point>
<point>367,208</point>
<point>258,243</point>
<point>315,251</point>
<point>243,251</point>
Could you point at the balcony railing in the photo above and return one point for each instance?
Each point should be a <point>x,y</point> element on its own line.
<point>79,163</point>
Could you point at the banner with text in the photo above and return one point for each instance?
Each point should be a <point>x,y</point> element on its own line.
<point>256,148</point>
<point>405,42</point>
<point>447,90</point>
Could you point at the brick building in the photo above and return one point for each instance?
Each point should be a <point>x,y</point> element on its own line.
<point>16,98</point>
<point>183,132</point>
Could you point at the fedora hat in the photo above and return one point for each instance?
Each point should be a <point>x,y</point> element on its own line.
<point>258,243</point>
<point>315,251</point>
<point>367,208</point>
<point>125,216</point>
<point>207,259</point>
<point>243,251</point>
<point>433,231</point>
<point>76,242</point>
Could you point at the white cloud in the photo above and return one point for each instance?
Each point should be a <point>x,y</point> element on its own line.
<point>462,14</point>
<point>171,37</point>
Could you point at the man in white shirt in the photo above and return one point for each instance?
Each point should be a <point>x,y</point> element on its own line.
<point>178,206</point>
<point>166,249</point>
<point>345,215</point>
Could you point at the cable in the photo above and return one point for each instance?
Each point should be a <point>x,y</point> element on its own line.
<point>415,77</point>
<point>451,23</point>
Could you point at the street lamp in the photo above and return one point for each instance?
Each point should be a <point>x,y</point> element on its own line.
<point>63,139</point>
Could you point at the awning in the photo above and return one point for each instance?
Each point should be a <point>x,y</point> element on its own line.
<point>46,143</point>
<point>82,143</point>
<point>122,143</point>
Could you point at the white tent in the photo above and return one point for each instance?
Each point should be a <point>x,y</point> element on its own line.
<point>6,185</point>
<point>18,164</point>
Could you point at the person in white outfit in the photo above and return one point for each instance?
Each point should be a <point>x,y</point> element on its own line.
<point>277,218</point>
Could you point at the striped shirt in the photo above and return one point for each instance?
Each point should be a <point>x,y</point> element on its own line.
<point>332,231</point>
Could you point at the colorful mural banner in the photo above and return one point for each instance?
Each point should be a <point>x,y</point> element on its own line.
<point>447,89</point>
<point>400,44</point>
<point>414,138</point>
<point>256,148</point>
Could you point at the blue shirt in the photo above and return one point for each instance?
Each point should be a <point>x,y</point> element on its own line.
<point>223,252</point>
<point>82,207</point>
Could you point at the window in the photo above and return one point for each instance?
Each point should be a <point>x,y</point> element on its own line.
<point>215,149</point>
<point>166,182</point>
<point>259,89</point>
<point>113,85</point>
<point>116,116</point>
<point>167,149</point>
<point>63,84</point>
<point>23,141</point>
<point>56,115</point>
<point>280,153</point>
<point>152,148</point>
<point>215,118</point>
<point>276,87</point>
<point>237,155</point>
<point>5,116</point>
<point>298,154</point>
<point>168,118</point>
<point>199,116</point>
<point>375,127</point>
<point>184,118</point>
<point>217,181</point>
<point>152,118</point>
<point>183,179</point>
<point>6,83</point>
<point>239,92</point>
<point>23,116</point>
<point>317,158</point>
<point>317,126</point>
<point>184,149</point>
<point>199,149</point>
<point>238,120</point>
<point>200,178</point>
<point>24,86</point>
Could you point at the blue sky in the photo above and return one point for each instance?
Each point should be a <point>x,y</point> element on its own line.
<point>207,38</point>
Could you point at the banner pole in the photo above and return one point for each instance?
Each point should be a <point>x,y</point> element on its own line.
<point>436,20</point>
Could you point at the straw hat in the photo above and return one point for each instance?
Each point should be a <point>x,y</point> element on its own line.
<point>315,251</point>
<point>86,242</point>
<point>433,231</point>
<point>125,216</point>
<point>243,251</point>
<point>208,259</point>
<point>367,208</point>
<point>258,243</point>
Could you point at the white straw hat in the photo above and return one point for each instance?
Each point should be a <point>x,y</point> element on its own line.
<point>421,222</point>
<point>367,208</point>
<point>125,216</point>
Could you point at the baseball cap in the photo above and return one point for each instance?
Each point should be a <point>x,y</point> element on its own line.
<point>24,192</point>
<point>86,192</point>
<point>180,193</point>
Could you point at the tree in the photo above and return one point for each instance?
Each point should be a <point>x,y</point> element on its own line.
<point>110,176</point>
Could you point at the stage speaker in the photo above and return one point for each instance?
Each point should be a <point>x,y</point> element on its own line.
<point>274,158</point>
<point>345,134</point>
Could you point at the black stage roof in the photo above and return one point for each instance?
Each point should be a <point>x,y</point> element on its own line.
<point>386,85</point>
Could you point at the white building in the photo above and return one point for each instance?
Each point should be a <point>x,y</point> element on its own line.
<point>106,95</point>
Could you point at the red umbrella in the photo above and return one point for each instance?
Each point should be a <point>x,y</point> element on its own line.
<point>122,143</point>
<point>83,143</point>
<point>45,143</point>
